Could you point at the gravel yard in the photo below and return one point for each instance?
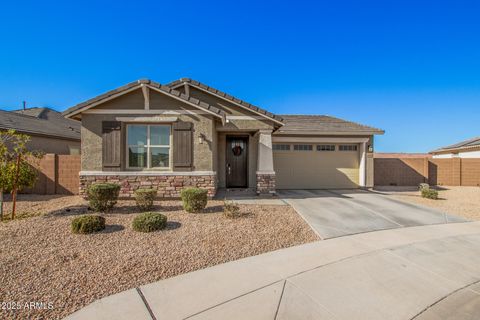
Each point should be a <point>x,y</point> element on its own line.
<point>461,201</point>
<point>42,261</point>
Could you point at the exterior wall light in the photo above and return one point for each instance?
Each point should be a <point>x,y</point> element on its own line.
<point>201,138</point>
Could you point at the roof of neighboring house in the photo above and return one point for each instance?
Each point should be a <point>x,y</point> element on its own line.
<point>466,144</point>
<point>386,155</point>
<point>320,124</point>
<point>225,96</point>
<point>40,121</point>
<point>132,85</point>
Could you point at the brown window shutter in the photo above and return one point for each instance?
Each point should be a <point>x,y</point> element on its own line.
<point>111,154</point>
<point>182,146</point>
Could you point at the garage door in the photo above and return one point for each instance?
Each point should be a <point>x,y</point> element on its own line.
<point>316,166</point>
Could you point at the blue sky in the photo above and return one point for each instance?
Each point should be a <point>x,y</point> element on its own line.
<point>411,68</point>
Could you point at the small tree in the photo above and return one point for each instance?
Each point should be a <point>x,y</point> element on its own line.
<point>16,173</point>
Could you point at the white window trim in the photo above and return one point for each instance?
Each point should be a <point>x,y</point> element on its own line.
<point>148,146</point>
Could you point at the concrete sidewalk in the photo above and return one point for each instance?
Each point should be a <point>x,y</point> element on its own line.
<point>429,272</point>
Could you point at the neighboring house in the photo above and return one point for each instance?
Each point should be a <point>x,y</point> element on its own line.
<point>189,134</point>
<point>466,149</point>
<point>49,130</point>
<point>385,155</point>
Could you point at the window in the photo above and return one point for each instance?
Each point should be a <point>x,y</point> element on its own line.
<point>325,147</point>
<point>281,147</point>
<point>148,146</point>
<point>347,147</point>
<point>302,147</point>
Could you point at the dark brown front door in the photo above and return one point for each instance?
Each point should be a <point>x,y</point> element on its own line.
<point>236,166</point>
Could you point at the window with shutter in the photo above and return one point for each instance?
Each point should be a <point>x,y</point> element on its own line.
<point>182,146</point>
<point>111,144</point>
<point>148,146</point>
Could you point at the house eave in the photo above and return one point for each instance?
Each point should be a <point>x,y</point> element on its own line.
<point>326,133</point>
<point>46,135</point>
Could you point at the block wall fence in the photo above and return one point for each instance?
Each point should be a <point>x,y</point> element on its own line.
<point>413,171</point>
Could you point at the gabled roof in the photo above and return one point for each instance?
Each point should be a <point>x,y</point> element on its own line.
<point>320,124</point>
<point>138,84</point>
<point>221,94</point>
<point>40,121</point>
<point>466,144</point>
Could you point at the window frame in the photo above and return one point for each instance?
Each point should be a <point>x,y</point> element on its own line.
<point>354,147</point>
<point>318,146</point>
<point>148,146</point>
<point>303,144</point>
<point>281,150</point>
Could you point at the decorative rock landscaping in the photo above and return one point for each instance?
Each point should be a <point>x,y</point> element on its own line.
<point>41,260</point>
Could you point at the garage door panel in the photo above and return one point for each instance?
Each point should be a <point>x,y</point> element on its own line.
<point>316,169</point>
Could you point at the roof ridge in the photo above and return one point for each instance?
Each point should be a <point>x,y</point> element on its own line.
<point>226,96</point>
<point>22,115</point>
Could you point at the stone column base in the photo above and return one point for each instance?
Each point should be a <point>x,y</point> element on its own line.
<point>265,183</point>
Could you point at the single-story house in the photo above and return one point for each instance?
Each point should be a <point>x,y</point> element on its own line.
<point>49,130</point>
<point>186,133</point>
<point>465,149</point>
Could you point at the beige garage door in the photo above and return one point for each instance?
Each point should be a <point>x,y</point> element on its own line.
<point>312,166</point>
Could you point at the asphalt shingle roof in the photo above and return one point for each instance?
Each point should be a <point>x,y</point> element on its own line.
<point>473,142</point>
<point>299,124</point>
<point>43,121</point>
<point>225,95</point>
<point>292,124</point>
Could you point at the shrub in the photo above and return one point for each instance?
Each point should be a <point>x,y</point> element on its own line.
<point>231,209</point>
<point>103,196</point>
<point>194,199</point>
<point>430,194</point>
<point>144,198</point>
<point>422,186</point>
<point>149,221</point>
<point>88,224</point>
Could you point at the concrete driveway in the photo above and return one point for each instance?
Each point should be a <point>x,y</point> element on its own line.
<point>336,213</point>
<point>424,273</point>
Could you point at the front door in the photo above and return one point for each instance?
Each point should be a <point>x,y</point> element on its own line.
<point>236,166</point>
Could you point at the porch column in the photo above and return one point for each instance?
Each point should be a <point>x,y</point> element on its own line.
<point>363,165</point>
<point>265,171</point>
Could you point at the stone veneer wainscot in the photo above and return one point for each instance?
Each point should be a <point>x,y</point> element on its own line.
<point>169,185</point>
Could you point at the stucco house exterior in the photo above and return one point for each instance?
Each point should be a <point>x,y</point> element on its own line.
<point>185,133</point>
<point>49,130</point>
<point>465,149</point>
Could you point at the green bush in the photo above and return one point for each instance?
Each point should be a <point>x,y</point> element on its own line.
<point>231,209</point>
<point>430,194</point>
<point>144,198</point>
<point>194,199</point>
<point>149,221</point>
<point>88,224</point>
<point>103,196</point>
